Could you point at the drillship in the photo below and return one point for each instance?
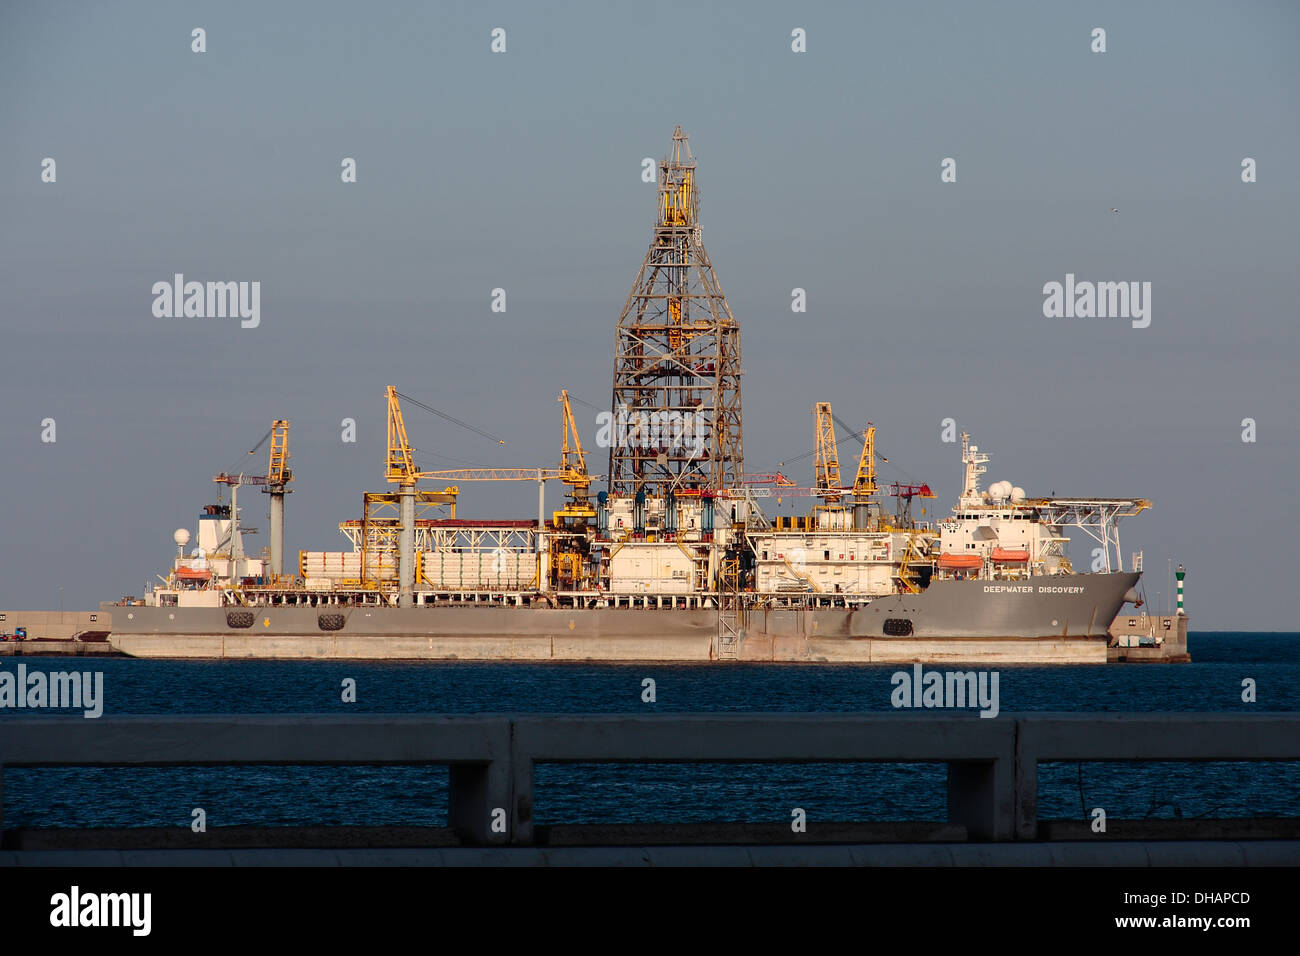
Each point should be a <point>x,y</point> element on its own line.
<point>675,560</point>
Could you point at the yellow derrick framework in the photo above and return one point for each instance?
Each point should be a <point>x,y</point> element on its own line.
<point>677,208</point>
<point>827,462</point>
<point>677,211</point>
<point>675,337</point>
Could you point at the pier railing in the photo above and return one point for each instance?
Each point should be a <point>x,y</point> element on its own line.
<point>992,782</point>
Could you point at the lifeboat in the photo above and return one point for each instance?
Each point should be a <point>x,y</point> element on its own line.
<point>1010,556</point>
<point>955,562</point>
<point>193,574</point>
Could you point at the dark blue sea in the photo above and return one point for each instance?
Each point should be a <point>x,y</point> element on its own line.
<point>416,796</point>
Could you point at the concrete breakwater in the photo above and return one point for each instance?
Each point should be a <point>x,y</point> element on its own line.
<point>1140,639</point>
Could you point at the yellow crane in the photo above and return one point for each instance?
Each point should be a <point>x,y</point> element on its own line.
<point>278,477</point>
<point>400,467</point>
<point>401,464</point>
<point>400,470</point>
<point>566,551</point>
<point>275,483</point>
<point>827,462</point>
<point>572,469</point>
<point>277,468</point>
<point>864,484</point>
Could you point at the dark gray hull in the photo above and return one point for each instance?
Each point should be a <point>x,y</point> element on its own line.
<point>1078,605</point>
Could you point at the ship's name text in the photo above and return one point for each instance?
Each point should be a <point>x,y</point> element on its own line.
<point>1030,589</point>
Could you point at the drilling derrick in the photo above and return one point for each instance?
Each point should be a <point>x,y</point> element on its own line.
<point>676,403</point>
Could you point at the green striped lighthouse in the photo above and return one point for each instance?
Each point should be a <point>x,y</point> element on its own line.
<point>1180,574</point>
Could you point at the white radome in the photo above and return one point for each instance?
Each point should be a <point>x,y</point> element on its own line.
<point>1017,493</point>
<point>181,536</point>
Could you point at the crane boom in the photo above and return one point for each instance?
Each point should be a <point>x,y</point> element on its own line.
<point>494,474</point>
<point>277,469</point>
<point>400,468</point>
<point>575,469</point>
<point>864,485</point>
<point>827,463</point>
<point>261,441</point>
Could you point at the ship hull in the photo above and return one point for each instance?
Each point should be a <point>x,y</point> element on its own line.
<point>1062,619</point>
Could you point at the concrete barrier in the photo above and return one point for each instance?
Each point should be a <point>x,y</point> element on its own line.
<point>992,782</point>
<point>980,753</point>
<point>1143,737</point>
<point>476,749</point>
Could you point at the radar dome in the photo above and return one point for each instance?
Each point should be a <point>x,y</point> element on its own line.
<point>1017,493</point>
<point>181,536</point>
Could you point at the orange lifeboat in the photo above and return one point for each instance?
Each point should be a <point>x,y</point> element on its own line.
<point>193,574</point>
<point>1010,556</point>
<point>963,562</point>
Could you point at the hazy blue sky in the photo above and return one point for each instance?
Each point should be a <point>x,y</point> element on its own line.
<point>522,170</point>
